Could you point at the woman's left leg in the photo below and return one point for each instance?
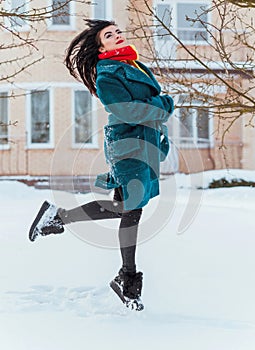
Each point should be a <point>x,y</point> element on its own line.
<point>128,280</point>
<point>128,231</point>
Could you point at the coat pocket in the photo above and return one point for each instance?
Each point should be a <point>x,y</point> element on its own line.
<point>122,142</point>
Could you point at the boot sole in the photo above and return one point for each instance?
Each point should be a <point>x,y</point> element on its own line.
<point>115,287</point>
<point>34,231</point>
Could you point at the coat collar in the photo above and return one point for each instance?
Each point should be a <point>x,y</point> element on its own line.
<point>131,73</point>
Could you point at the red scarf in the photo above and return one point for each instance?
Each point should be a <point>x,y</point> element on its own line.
<point>123,54</point>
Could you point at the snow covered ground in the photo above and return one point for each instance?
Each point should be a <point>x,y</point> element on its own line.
<point>199,286</point>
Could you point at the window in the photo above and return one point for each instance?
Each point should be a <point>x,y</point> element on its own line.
<point>189,31</point>
<point>61,12</point>
<point>194,127</point>
<point>164,13</point>
<point>19,8</point>
<point>102,9</point>
<point>40,128</point>
<point>3,118</point>
<point>62,18</point>
<point>83,126</point>
<point>174,14</point>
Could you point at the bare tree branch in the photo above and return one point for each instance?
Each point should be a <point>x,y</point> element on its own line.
<point>230,33</point>
<point>22,47</point>
<point>243,3</point>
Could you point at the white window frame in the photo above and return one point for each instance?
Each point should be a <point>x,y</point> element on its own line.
<point>193,140</point>
<point>174,25</point>
<point>23,28</point>
<point>108,7</point>
<point>32,145</point>
<point>94,143</point>
<point>64,27</point>
<point>6,146</point>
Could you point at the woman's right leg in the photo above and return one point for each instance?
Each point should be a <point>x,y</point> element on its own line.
<point>51,220</point>
<point>96,210</point>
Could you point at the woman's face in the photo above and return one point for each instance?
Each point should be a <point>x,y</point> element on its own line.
<point>111,38</point>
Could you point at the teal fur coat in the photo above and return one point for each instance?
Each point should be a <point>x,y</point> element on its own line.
<point>136,138</point>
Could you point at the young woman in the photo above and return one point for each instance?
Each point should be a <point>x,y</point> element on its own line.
<point>135,143</point>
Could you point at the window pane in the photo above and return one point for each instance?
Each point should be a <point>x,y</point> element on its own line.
<point>192,35</point>
<point>18,7</point>
<point>61,14</point>
<point>202,125</point>
<point>188,30</point>
<point>83,120</point>
<point>186,124</point>
<point>164,14</point>
<point>40,117</point>
<point>99,9</point>
<point>3,118</point>
<point>192,11</point>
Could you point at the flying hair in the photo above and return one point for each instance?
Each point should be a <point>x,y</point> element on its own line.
<point>82,54</point>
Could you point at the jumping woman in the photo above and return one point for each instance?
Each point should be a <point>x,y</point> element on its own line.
<point>135,142</point>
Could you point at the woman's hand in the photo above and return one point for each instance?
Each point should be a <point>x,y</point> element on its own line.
<point>168,103</point>
<point>132,111</point>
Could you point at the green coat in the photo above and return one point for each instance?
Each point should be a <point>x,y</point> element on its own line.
<point>135,136</point>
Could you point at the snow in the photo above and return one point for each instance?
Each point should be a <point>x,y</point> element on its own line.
<point>199,286</point>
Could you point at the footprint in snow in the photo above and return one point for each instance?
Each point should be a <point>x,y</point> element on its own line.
<point>82,301</point>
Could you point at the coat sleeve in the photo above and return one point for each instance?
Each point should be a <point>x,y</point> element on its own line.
<point>118,101</point>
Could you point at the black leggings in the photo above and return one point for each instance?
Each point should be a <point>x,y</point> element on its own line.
<point>101,210</point>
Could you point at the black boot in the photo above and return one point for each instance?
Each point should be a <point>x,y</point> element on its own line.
<point>128,287</point>
<point>132,286</point>
<point>46,222</point>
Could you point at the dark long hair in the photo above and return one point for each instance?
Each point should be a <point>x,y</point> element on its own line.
<point>82,54</point>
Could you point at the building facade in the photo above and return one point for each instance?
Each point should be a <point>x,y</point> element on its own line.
<point>59,129</point>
